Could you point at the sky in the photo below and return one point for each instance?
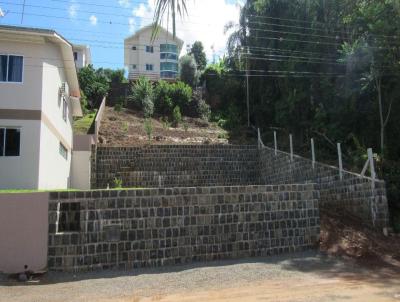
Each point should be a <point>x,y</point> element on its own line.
<point>104,24</point>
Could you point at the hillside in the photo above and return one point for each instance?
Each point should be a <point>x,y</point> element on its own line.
<point>127,128</point>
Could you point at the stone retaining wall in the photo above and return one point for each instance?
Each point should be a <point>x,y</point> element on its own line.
<point>155,227</point>
<point>175,166</point>
<point>354,193</point>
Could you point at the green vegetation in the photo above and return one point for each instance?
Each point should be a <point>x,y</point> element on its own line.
<point>142,96</point>
<point>148,128</point>
<point>23,191</point>
<point>188,71</point>
<point>197,51</point>
<point>176,116</point>
<point>117,183</point>
<point>333,76</point>
<point>82,125</point>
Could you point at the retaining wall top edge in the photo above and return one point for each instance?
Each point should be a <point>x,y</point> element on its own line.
<point>54,196</point>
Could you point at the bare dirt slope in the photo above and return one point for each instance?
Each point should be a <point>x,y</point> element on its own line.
<point>127,128</point>
<point>346,236</point>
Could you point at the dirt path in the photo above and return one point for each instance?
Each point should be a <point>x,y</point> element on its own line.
<point>305,277</point>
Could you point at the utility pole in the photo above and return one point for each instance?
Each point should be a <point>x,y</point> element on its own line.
<point>247,87</point>
<point>23,12</point>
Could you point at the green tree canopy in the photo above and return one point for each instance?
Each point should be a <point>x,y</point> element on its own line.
<point>188,70</point>
<point>197,51</point>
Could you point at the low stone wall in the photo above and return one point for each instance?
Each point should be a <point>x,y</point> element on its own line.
<point>175,166</point>
<point>354,193</point>
<point>155,227</point>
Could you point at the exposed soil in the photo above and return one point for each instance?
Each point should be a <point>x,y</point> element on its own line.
<point>127,128</point>
<point>346,236</point>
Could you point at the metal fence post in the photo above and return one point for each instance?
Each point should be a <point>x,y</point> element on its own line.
<point>313,153</point>
<point>275,143</point>
<point>339,149</point>
<point>291,147</point>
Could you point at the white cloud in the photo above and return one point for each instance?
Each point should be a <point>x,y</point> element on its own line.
<point>73,9</point>
<point>125,3</point>
<point>132,25</point>
<point>205,22</point>
<point>93,20</point>
<point>142,10</point>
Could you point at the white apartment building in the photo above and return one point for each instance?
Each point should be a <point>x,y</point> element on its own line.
<point>156,59</point>
<point>39,95</point>
<point>82,55</point>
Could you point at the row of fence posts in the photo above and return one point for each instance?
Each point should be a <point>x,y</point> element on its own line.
<point>368,164</point>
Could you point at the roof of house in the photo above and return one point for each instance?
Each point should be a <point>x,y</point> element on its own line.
<point>54,37</point>
<point>150,27</point>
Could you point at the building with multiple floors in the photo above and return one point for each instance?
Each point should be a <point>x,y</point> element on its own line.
<point>156,60</point>
<point>39,95</point>
<point>82,55</point>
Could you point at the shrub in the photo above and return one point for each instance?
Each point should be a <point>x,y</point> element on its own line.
<point>117,182</point>
<point>148,128</point>
<point>162,98</point>
<point>203,110</point>
<point>148,107</point>
<point>142,96</point>
<point>181,95</point>
<point>177,116</point>
<point>118,107</point>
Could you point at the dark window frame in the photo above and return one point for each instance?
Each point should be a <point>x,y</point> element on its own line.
<point>7,71</point>
<point>6,141</point>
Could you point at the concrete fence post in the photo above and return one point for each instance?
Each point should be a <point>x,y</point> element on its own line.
<point>339,149</point>
<point>313,153</point>
<point>372,166</point>
<point>291,147</point>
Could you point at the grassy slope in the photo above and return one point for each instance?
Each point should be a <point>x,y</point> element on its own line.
<point>82,125</point>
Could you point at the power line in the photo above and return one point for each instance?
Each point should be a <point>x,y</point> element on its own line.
<point>312,23</point>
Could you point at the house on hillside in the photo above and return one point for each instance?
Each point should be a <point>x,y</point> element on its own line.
<point>156,60</point>
<point>82,55</point>
<point>39,96</point>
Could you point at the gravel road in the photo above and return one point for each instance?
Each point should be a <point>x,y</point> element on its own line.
<point>252,279</point>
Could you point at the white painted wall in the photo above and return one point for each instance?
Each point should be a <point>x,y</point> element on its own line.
<point>22,172</point>
<point>26,95</point>
<point>80,172</point>
<point>50,157</point>
<point>40,165</point>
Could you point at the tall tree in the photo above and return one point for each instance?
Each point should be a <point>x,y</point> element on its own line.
<point>197,51</point>
<point>188,71</point>
<point>168,7</point>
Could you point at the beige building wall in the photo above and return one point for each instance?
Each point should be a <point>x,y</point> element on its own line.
<point>22,171</point>
<point>140,57</point>
<point>40,165</point>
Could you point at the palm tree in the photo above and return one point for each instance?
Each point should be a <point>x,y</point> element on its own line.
<point>167,6</point>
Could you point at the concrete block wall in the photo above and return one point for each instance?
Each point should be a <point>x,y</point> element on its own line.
<point>354,193</point>
<point>175,166</point>
<point>156,227</point>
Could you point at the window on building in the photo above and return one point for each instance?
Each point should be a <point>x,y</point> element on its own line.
<point>10,140</point>
<point>172,48</point>
<point>63,151</point>
<point>65,108</point>
<point>149,67</point>
<point>134,48</point>
<point>150,49</point>
<point>168,56</point>
<point>11,68</point>
<point>134,66</point>
<point>169,66</point>
<point>75,56</point>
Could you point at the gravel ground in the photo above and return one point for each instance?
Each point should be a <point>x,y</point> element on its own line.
<point>158,283</point>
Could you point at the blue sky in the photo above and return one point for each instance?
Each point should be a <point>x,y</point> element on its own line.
<point>103,24</point>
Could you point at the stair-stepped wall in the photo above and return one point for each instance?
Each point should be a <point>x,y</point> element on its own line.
<point>352,192</point>
<point>175,166</point>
